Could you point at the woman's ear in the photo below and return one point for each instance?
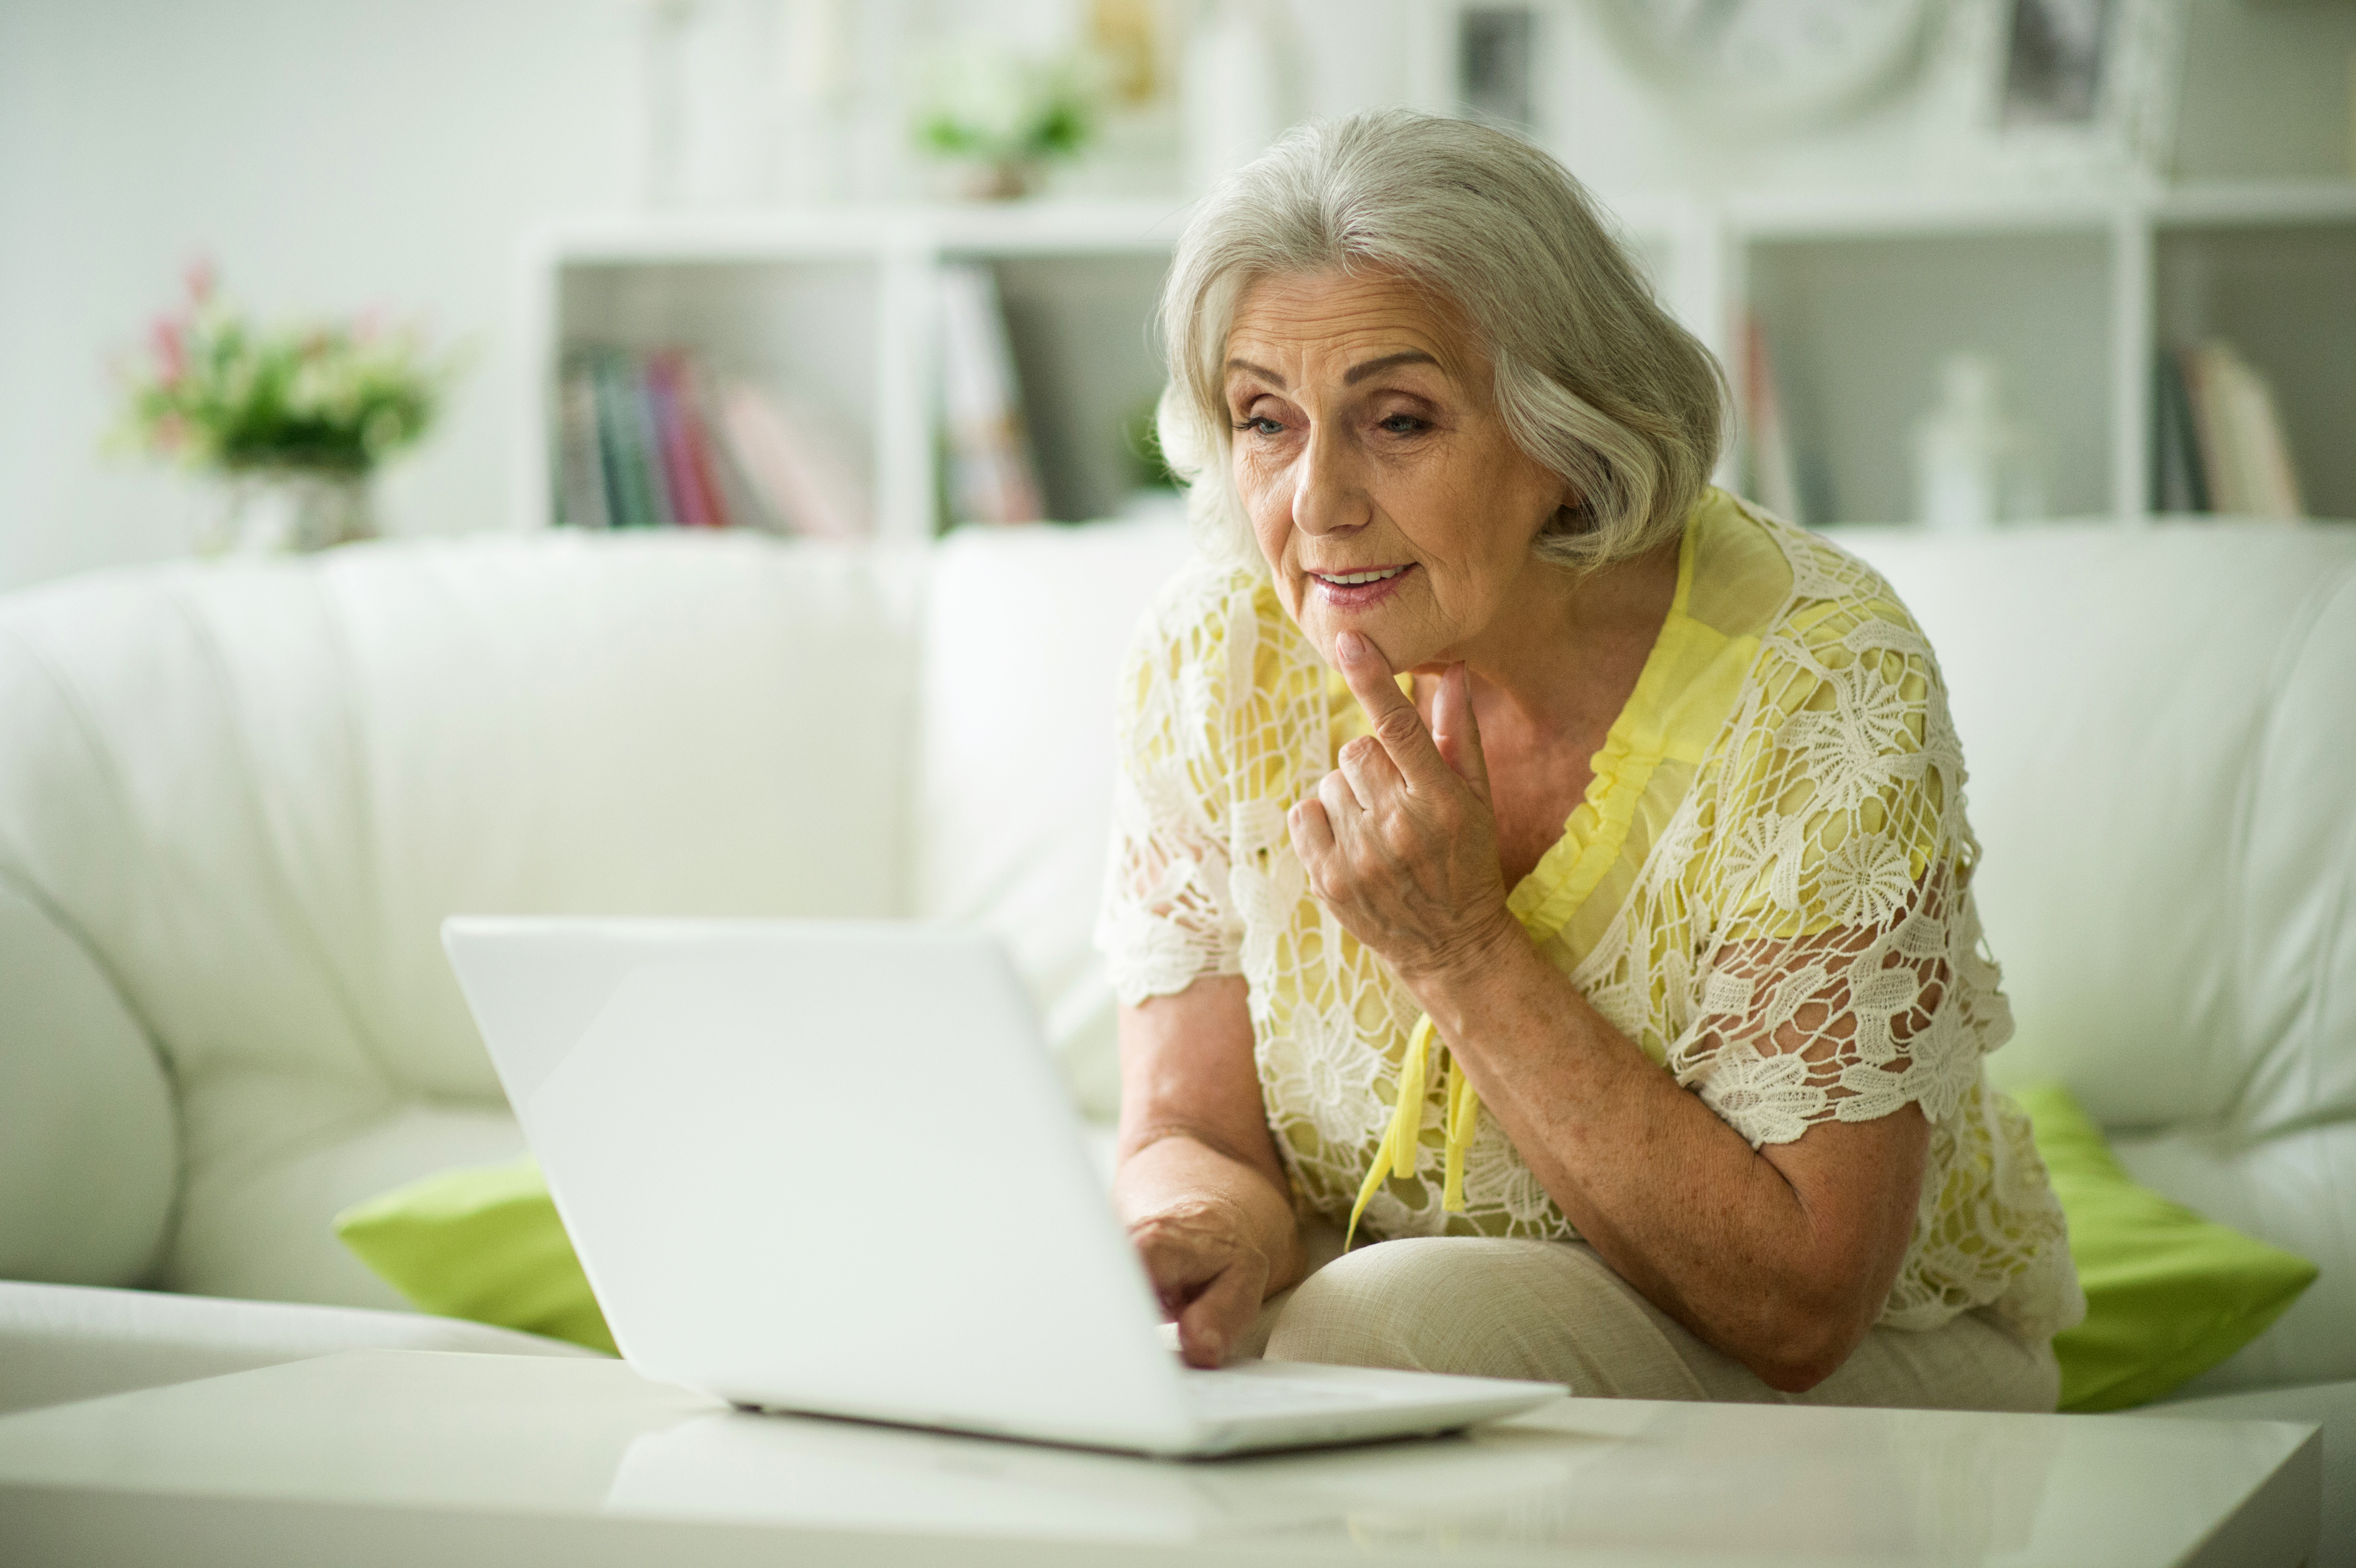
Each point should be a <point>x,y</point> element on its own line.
<point>1570,516</point>
<point>1575,516</point>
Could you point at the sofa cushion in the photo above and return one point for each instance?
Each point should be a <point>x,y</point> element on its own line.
<point>61,1342</point>
<point>2169,1294</point>
<point>89,1146</point>
<point>2292,1190</point>
<point>273,1158</point>
<point>1025,630</point>
<point>482,1242</point>
<point>254,789</point>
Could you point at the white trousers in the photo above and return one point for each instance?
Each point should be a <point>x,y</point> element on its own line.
<point>1556,1311</point>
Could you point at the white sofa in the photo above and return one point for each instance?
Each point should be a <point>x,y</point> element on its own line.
<point>236,799</point>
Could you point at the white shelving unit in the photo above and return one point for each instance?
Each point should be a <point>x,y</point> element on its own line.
<point>836,305</point>
<point>2073,293</point>
<point>1859,296</point>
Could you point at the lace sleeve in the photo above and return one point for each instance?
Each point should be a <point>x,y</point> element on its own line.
<point>1167,918</point>
<point>1843,976</point>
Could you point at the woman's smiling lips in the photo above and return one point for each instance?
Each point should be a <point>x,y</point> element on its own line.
<point>1360,587</point>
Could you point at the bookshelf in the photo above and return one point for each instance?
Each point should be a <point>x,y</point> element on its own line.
<point>1858,324</point>
<point>835,307</point>
<point>1858,296</point>
<point>2283,292</point>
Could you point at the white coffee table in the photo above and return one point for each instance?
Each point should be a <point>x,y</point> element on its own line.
<point>411,1457</point>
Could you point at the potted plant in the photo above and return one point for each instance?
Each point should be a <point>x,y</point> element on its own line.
<point>1002,117</point>
<point>295,418</point>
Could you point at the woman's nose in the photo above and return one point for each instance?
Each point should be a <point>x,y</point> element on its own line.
<point>1327,497</point>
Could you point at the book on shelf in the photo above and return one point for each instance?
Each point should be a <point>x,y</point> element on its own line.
<point>687,499</point>
<point>2225,434</point>
<point>992,475</point>
<point>630,497</point>
<point>581,486</point>
<point>652,439</point>
<point>1774,477</point>
<point>2180,482</point>
<point>794,463</point>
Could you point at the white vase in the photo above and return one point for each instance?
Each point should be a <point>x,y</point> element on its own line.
<point>270,511</point>
<point>1974,465</point>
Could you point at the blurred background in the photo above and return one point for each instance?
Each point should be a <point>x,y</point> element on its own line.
<point>831,267</point>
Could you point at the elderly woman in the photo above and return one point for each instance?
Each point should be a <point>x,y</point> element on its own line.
<point>1534,866</point>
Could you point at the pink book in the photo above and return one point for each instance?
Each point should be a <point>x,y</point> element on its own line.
<point>703,463</point>
<point>687,502</point>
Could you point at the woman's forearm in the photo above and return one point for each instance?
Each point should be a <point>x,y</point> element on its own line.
<point>1178,1182</point>
<point>1711,1231</point>
<point>1200,1186</point>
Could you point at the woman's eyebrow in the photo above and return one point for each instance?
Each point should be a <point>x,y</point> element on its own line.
<point>1355,374</point>
<point>1359,372</point>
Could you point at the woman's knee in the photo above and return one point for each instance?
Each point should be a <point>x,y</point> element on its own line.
<point>1360,1309</point>
<point>1419,1304</point>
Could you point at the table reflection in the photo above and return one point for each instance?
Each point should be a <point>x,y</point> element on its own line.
<point>763,1468</point>
<point>1654,1477</point>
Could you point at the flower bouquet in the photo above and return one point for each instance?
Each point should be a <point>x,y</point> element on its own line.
<point>296,418</point>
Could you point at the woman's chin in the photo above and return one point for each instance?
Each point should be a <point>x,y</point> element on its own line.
<point>1401,649</point>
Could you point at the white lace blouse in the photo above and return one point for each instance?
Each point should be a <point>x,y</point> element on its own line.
<point>1767,889</point>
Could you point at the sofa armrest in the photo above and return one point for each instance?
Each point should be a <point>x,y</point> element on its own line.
<point>64,1342</point>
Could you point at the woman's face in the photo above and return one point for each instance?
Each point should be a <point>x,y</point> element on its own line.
<point>1380,481</point>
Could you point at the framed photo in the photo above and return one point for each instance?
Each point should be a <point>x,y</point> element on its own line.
<point>1478,59</point>
<point>1496,50</point>
<point>2053,62</point>
<point>2077,88</point>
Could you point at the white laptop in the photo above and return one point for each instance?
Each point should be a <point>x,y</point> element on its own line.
<point>829,1168</point>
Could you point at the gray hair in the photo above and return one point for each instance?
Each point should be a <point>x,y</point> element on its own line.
<point>1593,378</point>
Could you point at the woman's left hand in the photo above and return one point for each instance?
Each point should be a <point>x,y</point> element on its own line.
<point>1400,841</point>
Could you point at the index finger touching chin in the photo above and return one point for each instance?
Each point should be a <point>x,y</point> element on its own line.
<point>1389,711</point>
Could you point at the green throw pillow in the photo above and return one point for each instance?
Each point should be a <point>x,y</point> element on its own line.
<point>482,1242</point>
<point>2169,1294</point>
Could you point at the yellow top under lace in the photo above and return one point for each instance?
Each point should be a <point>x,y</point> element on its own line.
<point>1682,695</point>
<point>1396,1155</point>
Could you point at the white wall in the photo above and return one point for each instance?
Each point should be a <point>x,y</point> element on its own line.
<point>328,154</point>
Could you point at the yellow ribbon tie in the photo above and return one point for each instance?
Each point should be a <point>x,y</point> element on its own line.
<point>1396,1155</point>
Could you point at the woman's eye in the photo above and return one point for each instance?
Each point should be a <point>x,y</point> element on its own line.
<point>1404,424</point>
<point>1260,424</point>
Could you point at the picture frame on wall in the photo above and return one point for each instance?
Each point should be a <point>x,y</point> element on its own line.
<point>2053,71</point>
<point>2071,89</point>
<point>1480,60</point>
<point>1496,65</point>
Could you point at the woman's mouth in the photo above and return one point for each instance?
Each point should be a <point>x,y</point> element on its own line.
<point>1358,589</point>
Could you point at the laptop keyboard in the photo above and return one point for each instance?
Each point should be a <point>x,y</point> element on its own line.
<point>1223,1396</point>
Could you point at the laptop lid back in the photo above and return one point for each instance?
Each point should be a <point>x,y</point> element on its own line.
<point>824,1167</point>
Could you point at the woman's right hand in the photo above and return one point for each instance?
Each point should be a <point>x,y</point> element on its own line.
<point>1209,1272</point>
<point>1200,1187</point>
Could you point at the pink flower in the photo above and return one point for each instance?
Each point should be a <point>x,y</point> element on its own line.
<point>171,350</point>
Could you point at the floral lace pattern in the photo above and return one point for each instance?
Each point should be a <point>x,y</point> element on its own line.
<point>1799,944</point>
